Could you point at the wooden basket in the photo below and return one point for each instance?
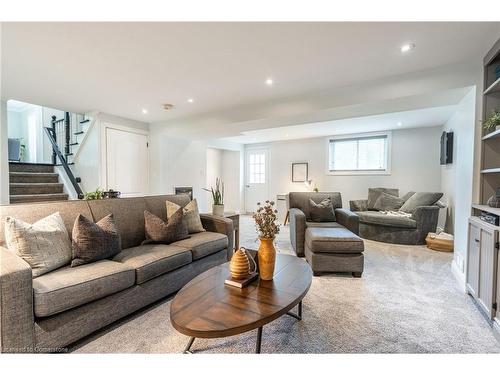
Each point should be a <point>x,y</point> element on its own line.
<point>439,244</point>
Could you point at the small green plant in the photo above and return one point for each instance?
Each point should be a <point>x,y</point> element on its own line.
<point>217,192</point>
<point>492,121</point>
<point>93,195</point>
<point>22,150</point>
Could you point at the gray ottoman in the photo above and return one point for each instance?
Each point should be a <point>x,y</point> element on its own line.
<point>334,250</point>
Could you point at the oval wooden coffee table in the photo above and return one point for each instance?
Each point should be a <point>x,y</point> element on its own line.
<point>207,308</point>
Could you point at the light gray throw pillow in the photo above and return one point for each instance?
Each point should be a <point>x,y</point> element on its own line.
<point>388,202</point>
<point>44,245</point>
<point>419,200</point>
<point>374,194</point>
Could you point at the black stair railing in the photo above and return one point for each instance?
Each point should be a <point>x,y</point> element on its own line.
<point>52,134</point>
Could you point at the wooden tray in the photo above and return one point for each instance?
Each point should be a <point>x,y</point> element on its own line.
<point>439,244</point>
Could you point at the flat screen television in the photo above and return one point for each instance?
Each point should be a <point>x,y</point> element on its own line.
<point>446,148</point>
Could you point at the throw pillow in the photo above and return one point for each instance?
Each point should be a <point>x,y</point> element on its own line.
<point>159,231</point>
<point>44,245</point>
<point>322,211</point>
<point>407,196</point>
<point>94,241</point>
<point>191,215</point>
<point>420,199</point>
<point>374,194</point>
<point>388,202</point>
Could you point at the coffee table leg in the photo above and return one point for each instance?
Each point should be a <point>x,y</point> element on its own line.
<point>188,346</point>
<point>259,340</point>
<point>299,315</point>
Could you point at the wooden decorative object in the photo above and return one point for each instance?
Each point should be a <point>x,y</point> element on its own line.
<point>437,243</point>
<point>240,265</point>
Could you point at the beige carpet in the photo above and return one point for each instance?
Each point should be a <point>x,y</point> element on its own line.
<point>406,302</point>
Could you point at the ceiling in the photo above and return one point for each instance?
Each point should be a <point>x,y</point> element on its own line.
<point>122,68</point>
<point>427,117</point>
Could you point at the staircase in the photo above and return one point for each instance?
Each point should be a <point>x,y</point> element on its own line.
<point>34,183</point>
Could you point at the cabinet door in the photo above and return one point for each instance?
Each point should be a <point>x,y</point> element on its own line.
<point>473,259</point>
<point>498,289</point>
<point>487,270</point>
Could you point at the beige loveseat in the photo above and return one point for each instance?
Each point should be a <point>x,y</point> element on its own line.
<point>51,311</point>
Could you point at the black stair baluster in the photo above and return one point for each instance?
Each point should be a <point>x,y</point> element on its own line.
<point>53,126</point>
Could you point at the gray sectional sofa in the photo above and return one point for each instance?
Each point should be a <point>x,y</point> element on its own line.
<point>332,246</point>
<point>49,312</point>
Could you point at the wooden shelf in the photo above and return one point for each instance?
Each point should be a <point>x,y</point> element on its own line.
<point>490,170</point>
<point>494,87</point>
<point>485,207</point>
<point>493,134</point>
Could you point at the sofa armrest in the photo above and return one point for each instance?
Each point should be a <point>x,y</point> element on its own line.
<point>359,205</point>
<point>17,321</point>
<point>219,224</point>
<point>348,219</point>
<point>427,219</point>
<point>297,230</point>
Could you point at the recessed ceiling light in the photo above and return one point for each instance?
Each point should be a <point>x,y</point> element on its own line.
<point>400,123</point>
<point>190,100</point>
<point>269,82</point>
<point>145,111</point>
<point>286,135</point>
<point>407,47</point>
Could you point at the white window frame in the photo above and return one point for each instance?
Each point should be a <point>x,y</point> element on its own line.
<point>388,147</point>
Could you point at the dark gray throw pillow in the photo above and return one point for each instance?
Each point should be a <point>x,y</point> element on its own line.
<point>407,196</point>
<point>388,202</point>
<point>159,231</point>
<point>374,194</point>
<point>94,241</point>
<point>322,211</point>
<point>419,200</point>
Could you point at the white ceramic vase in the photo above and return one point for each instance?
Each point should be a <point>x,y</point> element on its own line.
<point>218,209</point>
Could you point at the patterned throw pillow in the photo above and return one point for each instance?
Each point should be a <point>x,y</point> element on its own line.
<point>191,215</point>
<point>44,245</point>
<point>94,241</point>
<point>159,231</point>
<point>322,211</point>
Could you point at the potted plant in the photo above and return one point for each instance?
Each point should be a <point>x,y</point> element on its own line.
<point>218,197</point>
<point>492,122</point>
<point>267,228</point>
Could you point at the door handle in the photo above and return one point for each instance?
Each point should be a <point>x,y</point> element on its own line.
<point>475,239</point>
<point>247,186</point>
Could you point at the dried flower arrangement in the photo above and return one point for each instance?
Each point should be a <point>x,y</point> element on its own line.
<point>265,220</point>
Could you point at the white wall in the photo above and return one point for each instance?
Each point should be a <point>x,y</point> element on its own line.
<point>415,165</point>
<point>457,178</point>
<point>213,170</point>
<point>232,174</point>
<point>4,157</point>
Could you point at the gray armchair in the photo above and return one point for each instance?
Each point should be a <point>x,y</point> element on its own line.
<point>412,230</point>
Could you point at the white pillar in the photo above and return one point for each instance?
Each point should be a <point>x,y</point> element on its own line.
<point>4,156</point>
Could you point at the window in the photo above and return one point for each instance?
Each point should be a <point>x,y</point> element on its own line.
<point>257,168</point>
<point>367,154</point>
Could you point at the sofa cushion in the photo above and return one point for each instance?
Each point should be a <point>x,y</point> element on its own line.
<point>379,218</point>
<point>333,240</point>
<point>420,199</point>
<point>150,261</point>
<point>94,241</point>
<point>191,215</point>
<point>388,202</point>
<point>204,243</point>
<point>68,287</point>
<point>374,194</point>
<point>159,231</point>
<point>322,211</point>
<point>44,245</point>
<point>331,224</point>
<point>300,200</point>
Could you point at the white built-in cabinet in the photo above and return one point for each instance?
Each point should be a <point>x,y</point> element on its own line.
<point>482,265</point>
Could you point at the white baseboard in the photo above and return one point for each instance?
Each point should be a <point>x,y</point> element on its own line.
<point>459,275</point>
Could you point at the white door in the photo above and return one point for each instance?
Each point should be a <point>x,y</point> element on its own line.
<point>127,162</point>
<point>256,178</point>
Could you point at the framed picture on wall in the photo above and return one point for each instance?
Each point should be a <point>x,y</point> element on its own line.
<point>300,172</point>
<point>188,190</point>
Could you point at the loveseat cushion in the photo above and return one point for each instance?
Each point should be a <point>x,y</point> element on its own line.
<point>68,287</point>
<point>379,218</point>
<point>333,240</point>
<point>150,261</point>
<point>374,194</point>
<point>203,243</point>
